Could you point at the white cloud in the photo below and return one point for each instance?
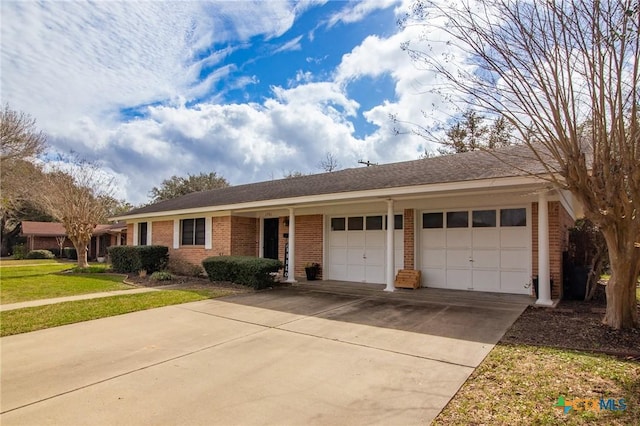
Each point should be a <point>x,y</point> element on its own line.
<point>357,11</point>
<point>289,46</point>
<point>74,66</point>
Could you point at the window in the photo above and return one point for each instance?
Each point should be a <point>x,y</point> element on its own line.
<point>398,221</point>
<point>356,223</point>
<point>338,224</point>
<point>432,220</point>
<point>484,218</point>
<point>458,219</point>
<point>192,232</point>
<point>513,217</point>
<point>142,233</point>
<point>374,223</point>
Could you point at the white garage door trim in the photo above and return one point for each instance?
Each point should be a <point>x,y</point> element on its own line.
<point>482,249</point>
<point>357,247</point>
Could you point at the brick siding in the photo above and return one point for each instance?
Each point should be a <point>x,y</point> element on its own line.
<point>409,238</point>
<point>244,231</point>
<point>559,223</point>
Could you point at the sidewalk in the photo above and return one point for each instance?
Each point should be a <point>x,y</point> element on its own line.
<point>42,302</point>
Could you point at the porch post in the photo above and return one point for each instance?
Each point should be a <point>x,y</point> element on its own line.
<point>97,253</point>
<point>544,289</point>
<point>291,261</point>
<point>391,268</point>
<point>119,239</point>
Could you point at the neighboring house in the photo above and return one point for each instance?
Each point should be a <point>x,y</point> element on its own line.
<point>42,236</point>
<point>467,221</point>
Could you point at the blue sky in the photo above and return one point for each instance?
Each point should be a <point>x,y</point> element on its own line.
<point>250,90</point>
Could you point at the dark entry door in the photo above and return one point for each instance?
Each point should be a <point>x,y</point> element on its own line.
<point>271,238</point>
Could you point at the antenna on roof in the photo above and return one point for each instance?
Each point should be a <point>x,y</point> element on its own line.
<point>367,163</point>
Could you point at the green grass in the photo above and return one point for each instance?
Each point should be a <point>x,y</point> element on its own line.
<point>23,283</point>
<point>41,317</point>
<point>13,262</point>
<point>519,384</point>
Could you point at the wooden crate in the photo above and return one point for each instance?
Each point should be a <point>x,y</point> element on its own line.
<point>408,278</point>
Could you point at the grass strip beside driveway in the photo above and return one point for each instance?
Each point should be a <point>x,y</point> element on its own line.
<point>20,284</point>
<point>41,317</point>
<point>521,384</point>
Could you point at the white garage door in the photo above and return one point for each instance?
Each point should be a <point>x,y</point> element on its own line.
<point>357,247</point>
<point>485,250</point>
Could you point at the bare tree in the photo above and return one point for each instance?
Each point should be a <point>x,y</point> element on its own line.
<point>20,144</point>
<point>74,195</point>
<point>565,75</point>
<point>60,240</point>
<point>329,163</point>
<point>19,137</point>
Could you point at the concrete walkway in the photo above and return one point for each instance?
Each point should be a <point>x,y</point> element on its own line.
<point>289,356</point>
<point>42,302</point>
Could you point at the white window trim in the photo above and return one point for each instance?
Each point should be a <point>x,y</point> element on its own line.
<point>208,237</point>
<point>176,233</point>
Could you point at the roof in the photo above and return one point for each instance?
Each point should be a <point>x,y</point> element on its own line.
<point>466,166</point>
<point>55,229</point>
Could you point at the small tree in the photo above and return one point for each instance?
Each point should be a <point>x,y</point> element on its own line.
<point>75,197</point>
<point>60,240</point>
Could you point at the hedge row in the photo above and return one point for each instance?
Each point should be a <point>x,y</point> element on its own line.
<point>126,259</point>
<point>39,254</point>
<point>250,271</point>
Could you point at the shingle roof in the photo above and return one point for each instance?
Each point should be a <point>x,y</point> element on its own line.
<point>54,229</point>
<point>467,166</point>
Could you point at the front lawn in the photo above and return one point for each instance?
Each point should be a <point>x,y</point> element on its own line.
<point>22,283</point>
<point>521,384</point>
<point>41,317</point>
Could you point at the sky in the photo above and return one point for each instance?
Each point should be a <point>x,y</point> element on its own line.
<point>250,90</point>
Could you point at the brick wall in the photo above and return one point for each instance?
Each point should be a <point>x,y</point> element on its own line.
<point>162,233</point>
<point>244,241</point>
<point>308,242</point>
<point>559,223</point>
<point>409,238</point>
<point>221,241</point>
<point>46,243</point>
<point>129,234</point>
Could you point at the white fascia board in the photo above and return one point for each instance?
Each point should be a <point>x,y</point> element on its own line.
<point>395,192</point>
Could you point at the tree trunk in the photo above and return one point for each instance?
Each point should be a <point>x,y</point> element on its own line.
<point>624,260</point>
<point>81,250</point>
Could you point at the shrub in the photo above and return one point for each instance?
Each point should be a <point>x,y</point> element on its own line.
<point>55,251</point>
<point>70,253</point>
<point>250,271</point>
<point>182,267</point>
<point>39,254</point>
<point>138,258</point>
<point>161,276</point>
<point>20,251</point>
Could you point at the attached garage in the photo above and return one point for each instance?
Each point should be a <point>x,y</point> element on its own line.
<point>357,247</point>
<point>486,249</point>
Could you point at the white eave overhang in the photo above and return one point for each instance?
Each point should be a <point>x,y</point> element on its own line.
<point>412,191</point>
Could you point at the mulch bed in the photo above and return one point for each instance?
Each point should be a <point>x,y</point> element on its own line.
<point>187,283</point>
<point>574,325</point>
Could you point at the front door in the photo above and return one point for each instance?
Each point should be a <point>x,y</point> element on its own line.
<point>270,237</point>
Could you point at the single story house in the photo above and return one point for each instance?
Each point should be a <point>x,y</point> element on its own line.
<point>43,236</point>
<point>468,221</point>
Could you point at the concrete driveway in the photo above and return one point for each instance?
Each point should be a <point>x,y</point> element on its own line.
<point>296,355</point>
